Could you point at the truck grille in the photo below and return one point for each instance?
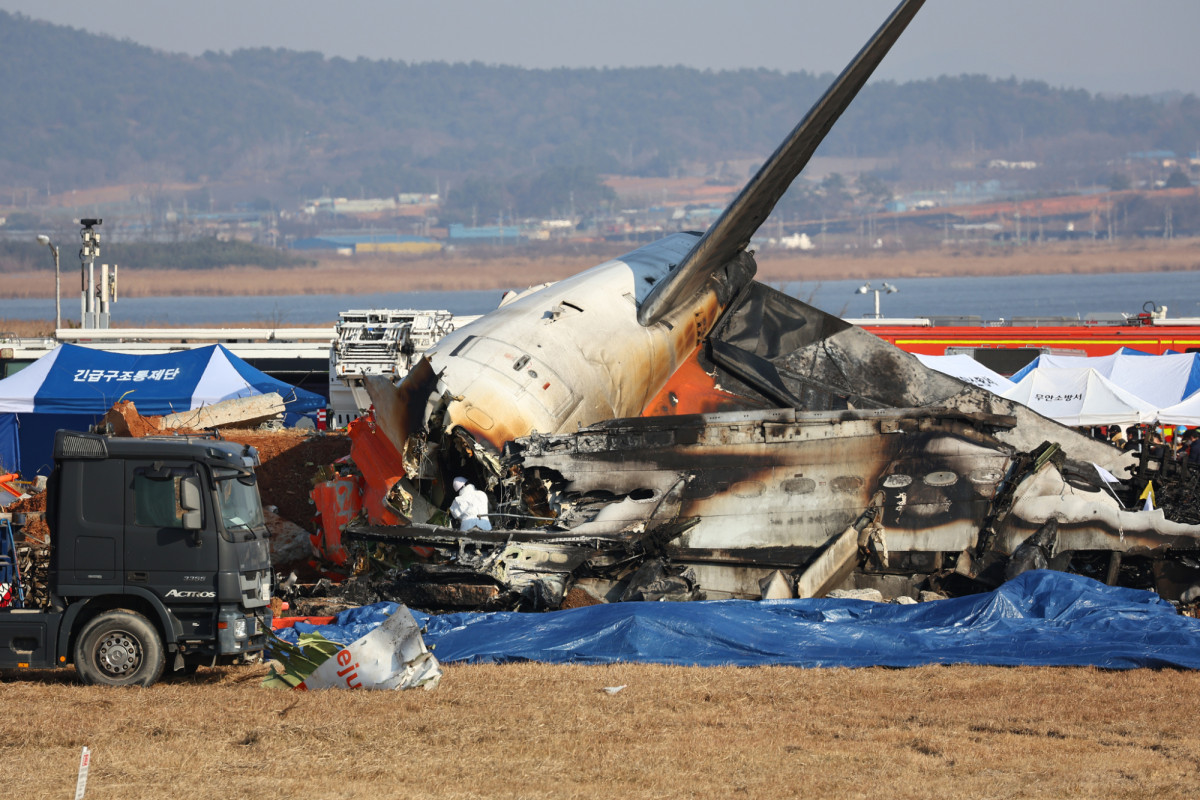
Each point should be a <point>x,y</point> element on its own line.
<point>255,587</point>
<point>82,447</point>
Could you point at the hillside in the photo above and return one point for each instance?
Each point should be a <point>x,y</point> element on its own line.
<point>84,110</point>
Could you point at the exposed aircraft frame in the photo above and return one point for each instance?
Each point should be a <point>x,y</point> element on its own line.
<point>662,426</point>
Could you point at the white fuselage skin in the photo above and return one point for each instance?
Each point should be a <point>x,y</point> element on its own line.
<point>571,353</point>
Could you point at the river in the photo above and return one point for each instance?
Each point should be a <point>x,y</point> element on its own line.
<point>989,297</point>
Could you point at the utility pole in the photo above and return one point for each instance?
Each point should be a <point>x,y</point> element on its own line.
<point>87,258</point>
<point>44,239</point>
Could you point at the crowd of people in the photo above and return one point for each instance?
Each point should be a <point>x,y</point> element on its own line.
<point>1175,442</point>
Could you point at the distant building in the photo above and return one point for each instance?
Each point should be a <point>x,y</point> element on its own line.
<point>369,243</point>
<point>369,205</point>
<point>1164,158</point>
<point>797,241</point>
<point>499,234</point>
<point>1000,163</point>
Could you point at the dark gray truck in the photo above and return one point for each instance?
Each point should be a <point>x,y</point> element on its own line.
<point>159,559</point>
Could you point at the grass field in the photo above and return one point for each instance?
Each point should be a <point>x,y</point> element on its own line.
<point>539,731</point>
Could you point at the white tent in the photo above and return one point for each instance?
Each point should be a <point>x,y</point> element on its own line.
<point>1080,397</point>
<point>1186,412</point>
<point>967,369</point>
<point>1159,380</point>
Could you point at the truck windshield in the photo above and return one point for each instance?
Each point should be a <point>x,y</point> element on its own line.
<point>239,503</point>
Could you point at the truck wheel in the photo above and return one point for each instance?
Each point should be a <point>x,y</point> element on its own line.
<point>119,648</point>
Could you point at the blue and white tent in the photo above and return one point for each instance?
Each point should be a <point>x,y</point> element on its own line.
<point>1080,396</point>
<point>1161,381</point>
<point>72,387</point>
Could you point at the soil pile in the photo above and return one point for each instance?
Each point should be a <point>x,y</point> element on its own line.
<point>124,420</point>
<point>292,461</point>
<point>34,502</point>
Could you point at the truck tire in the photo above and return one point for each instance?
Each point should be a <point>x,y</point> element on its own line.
<point>119,648</point>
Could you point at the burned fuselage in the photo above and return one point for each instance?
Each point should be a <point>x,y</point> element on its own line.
<point>663,426</point>
<point>769,490</point>
<point>879,470</point>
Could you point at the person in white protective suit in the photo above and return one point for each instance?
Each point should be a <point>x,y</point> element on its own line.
<point>470,508</point>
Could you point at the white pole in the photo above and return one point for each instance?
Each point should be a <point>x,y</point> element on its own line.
<point>103,296</point>
<point>91,295</point>
<point>57,292</point>
<point>85,762</point>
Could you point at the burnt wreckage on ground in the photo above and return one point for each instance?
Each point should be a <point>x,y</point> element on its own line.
<point>662,426</point>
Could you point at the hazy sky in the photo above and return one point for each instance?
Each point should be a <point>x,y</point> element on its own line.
<point>1140,46</point>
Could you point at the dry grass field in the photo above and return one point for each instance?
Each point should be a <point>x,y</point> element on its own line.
<point>538,731</point>
<point>26,327</point>
<point>497,270</point>
<point>1079,258</point>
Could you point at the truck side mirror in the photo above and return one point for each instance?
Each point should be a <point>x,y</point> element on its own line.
<point>189,501</point>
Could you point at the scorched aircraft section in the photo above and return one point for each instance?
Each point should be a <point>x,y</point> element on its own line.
<point>823,451</point>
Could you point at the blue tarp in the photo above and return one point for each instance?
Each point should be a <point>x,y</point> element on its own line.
<point>1039,618</point>
<point>72,387</point>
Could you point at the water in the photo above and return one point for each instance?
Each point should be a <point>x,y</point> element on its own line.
<point>1004,297</point>
<point>986,297</point>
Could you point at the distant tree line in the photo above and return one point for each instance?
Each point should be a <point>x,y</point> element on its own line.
<point>203,254</point>
<point>82,109</point>
<point>199,254</point>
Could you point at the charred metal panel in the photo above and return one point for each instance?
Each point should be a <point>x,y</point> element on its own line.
<point>400,410</point>
<point>1089,520</point>
<point>825,361</point>
<point>780,479</point>
<point>769,323</point>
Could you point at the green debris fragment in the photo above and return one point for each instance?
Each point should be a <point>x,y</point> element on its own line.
<point>298,660</point>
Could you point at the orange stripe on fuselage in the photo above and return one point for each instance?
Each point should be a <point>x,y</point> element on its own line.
<point>694,392</point>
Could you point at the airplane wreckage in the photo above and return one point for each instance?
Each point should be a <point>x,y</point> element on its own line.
<point>662,426</point>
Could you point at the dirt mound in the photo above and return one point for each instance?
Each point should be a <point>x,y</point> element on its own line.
<point>35,502</point>
<point>291,461</point>
<point>124,420</point>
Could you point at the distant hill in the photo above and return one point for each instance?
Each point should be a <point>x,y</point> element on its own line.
<point>83,110</point>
